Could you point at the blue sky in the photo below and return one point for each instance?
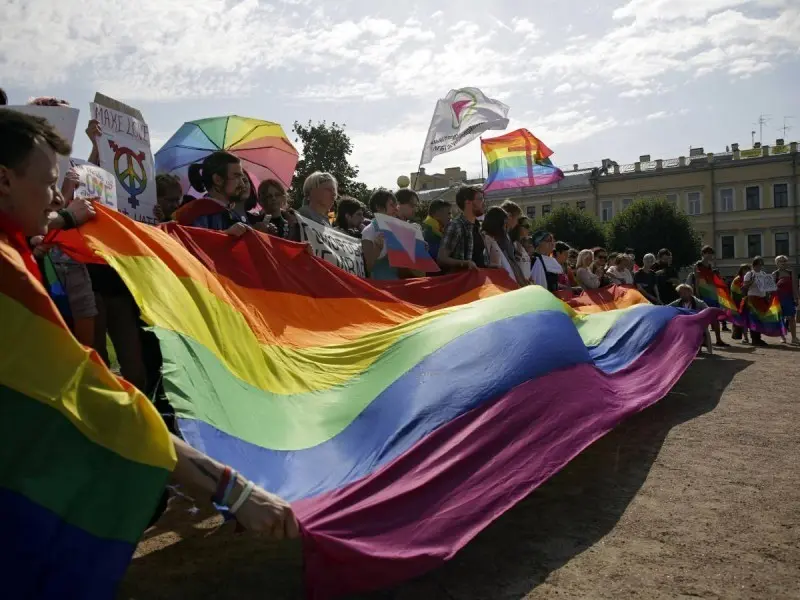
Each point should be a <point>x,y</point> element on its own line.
<point>593,80</point>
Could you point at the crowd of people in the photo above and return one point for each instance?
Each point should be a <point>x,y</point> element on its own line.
<point>97,304</point>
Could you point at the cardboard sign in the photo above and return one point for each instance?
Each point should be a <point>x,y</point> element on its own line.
<point>96,183</point>
<point>334,246</point>
<point>124,150</point>
<point>64,120</point>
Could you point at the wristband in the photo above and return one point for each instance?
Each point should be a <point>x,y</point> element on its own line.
<point>222,485</point>
<point>69,219</point>
<point>229,489</point>
<point>248,489</point>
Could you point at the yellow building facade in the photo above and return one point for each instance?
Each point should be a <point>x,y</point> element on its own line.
<point>744,204</point>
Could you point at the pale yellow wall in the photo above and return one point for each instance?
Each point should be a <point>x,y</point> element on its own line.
<point>712,222</point>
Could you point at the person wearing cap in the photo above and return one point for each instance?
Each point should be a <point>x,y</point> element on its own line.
<point>544,269</point>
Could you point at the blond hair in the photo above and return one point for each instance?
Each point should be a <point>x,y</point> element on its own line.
<point>318,179</point>
<point>585,258</point>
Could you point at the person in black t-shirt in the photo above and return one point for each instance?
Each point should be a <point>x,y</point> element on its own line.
<point>646,279</point>
<point>667,276</point>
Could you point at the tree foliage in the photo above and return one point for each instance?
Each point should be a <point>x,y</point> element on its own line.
<point>579,229</point>
<point>647,226</point>
<point>326,147</point>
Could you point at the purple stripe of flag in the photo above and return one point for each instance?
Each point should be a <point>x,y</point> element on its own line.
<point>420,509</point>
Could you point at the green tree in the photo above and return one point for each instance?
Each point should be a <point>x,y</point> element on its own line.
<point>326,147</point>
<point>579,229</point>
<point>648,226</point>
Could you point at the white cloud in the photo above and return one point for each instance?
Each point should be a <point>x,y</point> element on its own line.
<point>662,114</point>
<point>526,27</point>
<point>636,93</point>
<point>564,88</point>
<point>437,15</point>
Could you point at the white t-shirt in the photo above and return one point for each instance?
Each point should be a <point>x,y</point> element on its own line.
<point>369,233</point>
<point>762,283</point>
<point>523,260</point>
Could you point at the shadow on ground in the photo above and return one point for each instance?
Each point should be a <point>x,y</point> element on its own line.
<point>564,517</point>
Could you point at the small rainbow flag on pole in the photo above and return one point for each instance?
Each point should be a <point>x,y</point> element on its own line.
<point>764,315</point>
<point>713,291</point>
<point>516,160</point>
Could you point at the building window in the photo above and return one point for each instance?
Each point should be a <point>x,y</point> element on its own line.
<point>608,211</point>
<point>780,195</point>
<point>693,199</point>
<point>753,245</point>
<point>726,200</point>
<point>673,199</point>
<point>626,202</point>
<point>581,205</point>
<point>782,243</point>
<point>728,246</point>
<point>545,210</point>
<point>752,195</point>
<point>531,212</point>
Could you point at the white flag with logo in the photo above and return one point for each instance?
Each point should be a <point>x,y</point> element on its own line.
<point>459,118</point>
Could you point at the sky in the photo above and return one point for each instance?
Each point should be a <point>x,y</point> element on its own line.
<point>593,80</point>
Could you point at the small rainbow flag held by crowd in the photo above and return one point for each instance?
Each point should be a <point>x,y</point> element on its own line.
<point>518,159</point>
<point>764,315</point>
<point>712,290</point>
<point>372,406</point>
<point>405,246</point>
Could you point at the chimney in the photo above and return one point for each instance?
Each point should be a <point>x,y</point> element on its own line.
<point>644,158</point>
<point>734,147</point>
<point>575,167</point>
<point>779,142</point>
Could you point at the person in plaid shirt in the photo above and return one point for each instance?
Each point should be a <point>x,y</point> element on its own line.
<point>458,242</point>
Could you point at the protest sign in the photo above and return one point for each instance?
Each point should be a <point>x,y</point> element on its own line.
<point>96,183</point>
<point>334,246</point>
<point>63,118</point>
<point>124,150</point>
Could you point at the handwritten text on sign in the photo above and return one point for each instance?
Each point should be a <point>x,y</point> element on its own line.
<point>124,150</point>
<point>334,246</point>
<point>97,183</point>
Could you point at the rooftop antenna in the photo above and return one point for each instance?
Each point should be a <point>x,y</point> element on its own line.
<point>752,138</point>
<point>762,120</point>
<point>786,128</point>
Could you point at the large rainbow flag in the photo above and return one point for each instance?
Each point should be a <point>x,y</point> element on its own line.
<point>84,457</point>
<point>400,419</point>
<point>518,159</point>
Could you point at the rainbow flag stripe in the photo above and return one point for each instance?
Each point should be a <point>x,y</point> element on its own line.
<point>713,291</point>
<point>518,159</point>
<point>764,315</point>
<point>372,406</point>
<point>84,458</point>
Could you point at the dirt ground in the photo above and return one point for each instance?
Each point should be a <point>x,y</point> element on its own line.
<point>696,497</point>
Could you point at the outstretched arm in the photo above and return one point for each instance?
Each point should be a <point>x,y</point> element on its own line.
<point>257,511</point>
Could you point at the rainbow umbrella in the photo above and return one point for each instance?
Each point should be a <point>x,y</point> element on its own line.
<point>262,146</point>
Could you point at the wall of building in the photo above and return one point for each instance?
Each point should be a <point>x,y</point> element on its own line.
<point>713,189</point>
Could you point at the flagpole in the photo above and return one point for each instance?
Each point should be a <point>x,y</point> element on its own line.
<point>481,147</point>
<point>422,155</point>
